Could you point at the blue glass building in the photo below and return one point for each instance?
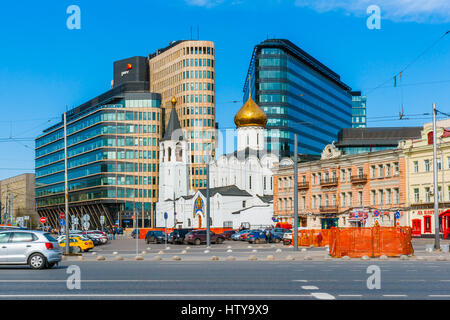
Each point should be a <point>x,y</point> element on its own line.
<point>113,152</point>
<point>299,95</point>
<point>359,117</point>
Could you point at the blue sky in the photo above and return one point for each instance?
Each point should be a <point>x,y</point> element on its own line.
<point>45,67</point>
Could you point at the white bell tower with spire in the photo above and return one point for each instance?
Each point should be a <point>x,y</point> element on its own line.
<point>173,159</point>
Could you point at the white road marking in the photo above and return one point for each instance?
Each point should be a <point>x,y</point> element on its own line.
<point>105,280</point>
<point>322,296</point>
<point>118,295</point>
<point>350,295</point>
<point>439,295</point>
<point>300,280</point>
<point>310,288</point>
<point>394,295</point>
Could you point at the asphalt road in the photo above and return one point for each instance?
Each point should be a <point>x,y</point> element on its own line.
<point>240,280</point>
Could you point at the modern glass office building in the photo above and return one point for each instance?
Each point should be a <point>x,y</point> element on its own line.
<point>299,95</point>
<point>113,151</point>
<point>358,110</point>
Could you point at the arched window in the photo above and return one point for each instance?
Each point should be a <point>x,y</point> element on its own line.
<point>179,152</point>
<point>169,150</point>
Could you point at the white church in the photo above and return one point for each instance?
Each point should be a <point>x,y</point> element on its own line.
<point>241,186</point>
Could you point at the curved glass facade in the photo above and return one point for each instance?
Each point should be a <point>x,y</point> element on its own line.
<point>113,152</point>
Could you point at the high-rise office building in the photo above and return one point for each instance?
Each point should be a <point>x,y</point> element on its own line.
<point>112,151</point>
<point>358,110</point>
<point>186,70</point>
<point>299,95</point>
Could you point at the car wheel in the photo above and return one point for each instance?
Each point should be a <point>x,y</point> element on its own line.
<point>37,261</point>
<point>76,250</point>
<point>146,241</point>
<point>197,242</point>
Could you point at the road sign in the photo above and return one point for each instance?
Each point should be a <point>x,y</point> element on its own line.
<point>397,215</point>
<point>75,220</point>
<point>85,218</point>
<point>62,215</point>
<point>19,221</point>
<point>43,220</point>
<point>376,213</point>
<point>102,219</point>
<point>86,225</point>
<point>165,216</point>
<point>62,222</point>
<point>26,218</point>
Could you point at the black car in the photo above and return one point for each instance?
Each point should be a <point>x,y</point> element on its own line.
<point>179,234</point>
<point>155,236</point>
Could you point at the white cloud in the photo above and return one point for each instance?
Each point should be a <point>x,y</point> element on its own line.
<point>434,11</point>
<point>204,3</point>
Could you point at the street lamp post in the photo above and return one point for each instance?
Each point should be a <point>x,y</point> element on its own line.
<point>437,245</point>
<point>295,194</point>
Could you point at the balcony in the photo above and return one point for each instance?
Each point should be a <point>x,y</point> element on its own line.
<point>329,209</point>
<point>302,185</point>
<point>329,182</point>
<point>360,178</point>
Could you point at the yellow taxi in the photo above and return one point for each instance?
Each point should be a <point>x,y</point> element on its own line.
<point>78,244</point>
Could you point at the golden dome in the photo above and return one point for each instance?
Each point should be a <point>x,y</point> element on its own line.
<point>250,115</point>
<point>174,101</point>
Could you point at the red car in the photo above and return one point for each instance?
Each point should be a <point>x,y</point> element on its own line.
<point>227,234</point>
<point>198,237</point>
<point>244,235</point>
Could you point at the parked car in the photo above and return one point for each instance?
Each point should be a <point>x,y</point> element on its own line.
<point>260,237</point>
<point>228,233</point>
<point>279,232</point>
<point>155,236</point>
<point>244,235</point>
<point>38,249</point>
<point>237,235</point>
<point>199,236</point>
<point>178,235</point>
<point>170,238</point>
<point>79,244</point>
<point>133,233</point>
<point>287,237</point>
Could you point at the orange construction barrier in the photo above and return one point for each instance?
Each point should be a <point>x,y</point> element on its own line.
<point>372,242</point>
<point>313,237</point>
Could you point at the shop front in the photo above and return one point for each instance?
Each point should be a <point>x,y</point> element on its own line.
<point>444,223</point>
<point>422,223</point>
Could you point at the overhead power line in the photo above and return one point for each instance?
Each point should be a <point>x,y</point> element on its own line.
<point>399,74</point>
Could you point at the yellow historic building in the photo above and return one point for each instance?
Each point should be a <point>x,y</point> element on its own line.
<point>419,179</point>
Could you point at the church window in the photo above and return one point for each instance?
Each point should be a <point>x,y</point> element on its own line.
<point>169,153</point>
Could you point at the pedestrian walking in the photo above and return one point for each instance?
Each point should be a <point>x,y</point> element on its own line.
<point>114,233</point>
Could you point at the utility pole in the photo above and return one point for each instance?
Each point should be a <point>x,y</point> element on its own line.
<point>295,194</point>
<point>208,240</point>
<point>66,186</point>
<point>437,245</point>
<point>174,213</point>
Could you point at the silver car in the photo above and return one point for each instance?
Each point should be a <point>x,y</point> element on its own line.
<point>38,249</point>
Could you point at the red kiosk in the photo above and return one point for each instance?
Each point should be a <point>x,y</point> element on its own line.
<point>444,223</point>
